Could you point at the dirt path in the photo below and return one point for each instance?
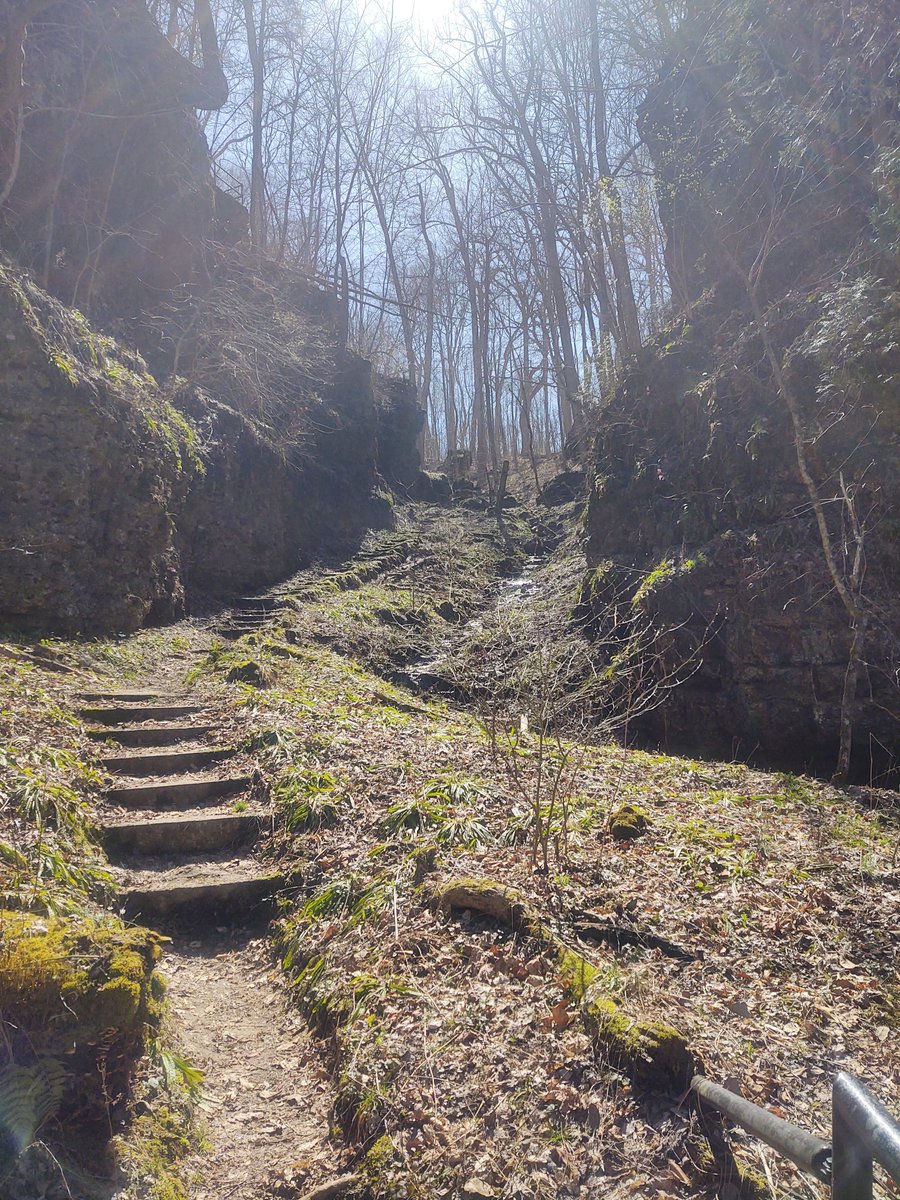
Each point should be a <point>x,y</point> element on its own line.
<point>186,857</point>
<point>265,1105</point>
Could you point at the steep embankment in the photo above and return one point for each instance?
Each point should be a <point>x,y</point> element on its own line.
<point>745,475</point>
<point>121,499</point>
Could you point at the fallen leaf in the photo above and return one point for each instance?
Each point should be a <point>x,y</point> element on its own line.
<point>560,1016</point>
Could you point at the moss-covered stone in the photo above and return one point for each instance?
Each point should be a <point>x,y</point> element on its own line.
<point>250,671</point>
<point>628,822</point>
<point>651,1053</point>
<point>78,997</point>
<point>482,895</point>
<point>65,981</point>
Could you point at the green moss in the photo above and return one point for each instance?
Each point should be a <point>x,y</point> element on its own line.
<point>66,366</point>
<point>652,1053</point>
<point>628,822</point>
<point>662,573</point>
<point>175,431</point>
<point>380,1169</point>
<point>153,1150</point>
<point>63,979</point>
<point>379,1157</point>
<point>593,584</point>
<point>576,972</point>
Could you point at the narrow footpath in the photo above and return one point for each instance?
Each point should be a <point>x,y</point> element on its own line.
<point>180,828</point>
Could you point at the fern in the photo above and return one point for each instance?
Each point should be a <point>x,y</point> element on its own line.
<point>29,1097</point>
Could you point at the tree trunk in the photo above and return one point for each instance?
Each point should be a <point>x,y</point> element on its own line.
<point>255,49</point>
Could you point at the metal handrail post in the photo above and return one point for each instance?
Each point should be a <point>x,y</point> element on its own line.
<point>862,1130</point>
<point>851,1163</point>
<point>806,1150</point>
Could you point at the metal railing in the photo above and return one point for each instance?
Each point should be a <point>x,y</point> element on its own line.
<point>862,1132</point>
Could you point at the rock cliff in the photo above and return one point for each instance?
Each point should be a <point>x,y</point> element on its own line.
<point>122,499</point>
<point>224,433</point>
<point>112,206</point>
<point>778,187</point>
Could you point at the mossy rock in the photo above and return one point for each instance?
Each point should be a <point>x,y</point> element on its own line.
<point>651,1053</point>
<point>628,822</point>
<point>479,895</point>
<point>78,995</point>
<point>154,1148</point>
<point>65,980</point>
<point>248,671</point>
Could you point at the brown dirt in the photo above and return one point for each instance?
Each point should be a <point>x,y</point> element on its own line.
<point>265,1105</point>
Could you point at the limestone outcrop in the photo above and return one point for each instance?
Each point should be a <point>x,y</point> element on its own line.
<point>180,418</point>
<point>783,225</point>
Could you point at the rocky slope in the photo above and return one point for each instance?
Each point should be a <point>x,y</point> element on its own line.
<point>783,237</point>
<point>120,499</point>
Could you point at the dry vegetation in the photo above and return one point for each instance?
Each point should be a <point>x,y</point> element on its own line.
<point>754,911</point>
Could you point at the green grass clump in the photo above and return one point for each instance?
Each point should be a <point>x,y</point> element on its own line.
<point>308,799</point>
<point>441,811</point>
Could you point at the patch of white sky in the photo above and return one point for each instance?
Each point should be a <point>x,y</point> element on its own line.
<point>427,16</point>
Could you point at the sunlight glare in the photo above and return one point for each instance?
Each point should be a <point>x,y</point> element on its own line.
<point>425,15</point>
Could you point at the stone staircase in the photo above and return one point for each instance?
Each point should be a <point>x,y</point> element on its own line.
<point>249,615</point>
<point>179,826</point>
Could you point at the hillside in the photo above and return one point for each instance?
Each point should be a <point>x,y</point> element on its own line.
<point>454,1044</point>
<point>744,475</point>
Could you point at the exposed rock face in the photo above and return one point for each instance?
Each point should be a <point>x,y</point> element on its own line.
<point>400,421</point>
<point>113,203</point>
<point>254,515</point>
<point>255,440</point>
<point>697,496</point>
<point>90,471</point>
<point>768,130</point>
<point>117,503</point>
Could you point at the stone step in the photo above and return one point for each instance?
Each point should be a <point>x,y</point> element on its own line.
<point>180,835</point>
<point>126,697</point>
<point>150,712</point>
<point>176,762</point>
<point>150,735</point>
<point>181,793</point>
<point>260,603</point>
<point>234,894</point>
